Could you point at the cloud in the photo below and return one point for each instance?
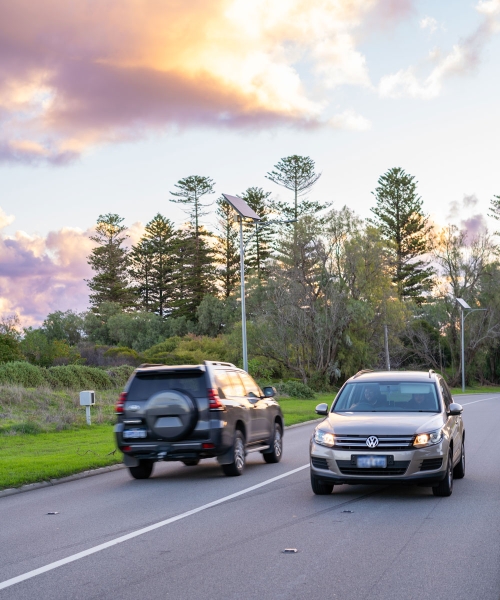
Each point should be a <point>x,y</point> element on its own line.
<point>475,224</point>
<point>76,74</point>
<point>463,59</point>
<point>350,120</point>
<point>429,23</point>
<point>39,275</point>
<point>5,219</point>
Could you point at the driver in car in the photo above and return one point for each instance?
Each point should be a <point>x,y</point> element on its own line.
<point>371,398</point>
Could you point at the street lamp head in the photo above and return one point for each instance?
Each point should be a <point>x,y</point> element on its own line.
<point>463,304</point>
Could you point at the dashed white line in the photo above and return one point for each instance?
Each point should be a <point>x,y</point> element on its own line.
<point>133,534</point>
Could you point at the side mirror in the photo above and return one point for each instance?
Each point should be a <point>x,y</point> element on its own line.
<point>269,392</point>
<point>455,409</point>
<point>322,409</point>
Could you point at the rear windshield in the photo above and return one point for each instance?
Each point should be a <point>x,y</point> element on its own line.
<point>144,385</point>
<point>387,396</point>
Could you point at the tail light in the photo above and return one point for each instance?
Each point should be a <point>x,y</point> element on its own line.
<point>120,404</point>
<point>214,402</point>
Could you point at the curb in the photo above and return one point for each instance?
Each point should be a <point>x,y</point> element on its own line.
<point>42,484</point>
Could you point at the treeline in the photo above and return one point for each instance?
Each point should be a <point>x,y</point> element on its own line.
<point>321,291</point>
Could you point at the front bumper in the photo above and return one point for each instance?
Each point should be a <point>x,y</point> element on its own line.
<point>419,466</point>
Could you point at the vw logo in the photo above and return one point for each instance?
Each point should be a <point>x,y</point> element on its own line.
<point>372,442</point>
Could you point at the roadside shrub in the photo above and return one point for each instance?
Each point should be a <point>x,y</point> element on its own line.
<point>119,375</point>
<point>80,377</point>
<point>295,389</point>
<point>22,373</point>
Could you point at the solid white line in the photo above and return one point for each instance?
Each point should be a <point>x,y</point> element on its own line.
<point>129,536</point>
<point>483,400</point>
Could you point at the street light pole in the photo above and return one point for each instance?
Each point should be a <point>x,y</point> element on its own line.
<point>243,309</point>
<point>463,307</point>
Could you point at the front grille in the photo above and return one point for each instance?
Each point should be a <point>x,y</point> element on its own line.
<point>385,442</point>
<point>319,463</point>
<point>395,467</point>
<point>430,464</point>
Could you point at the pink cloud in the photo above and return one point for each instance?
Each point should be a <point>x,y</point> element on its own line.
<point>39,275</point>
<point>75,74</point>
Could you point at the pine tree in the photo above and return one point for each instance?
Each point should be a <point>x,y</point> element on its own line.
<point>153,265</point>
<point>227,251</point>
<point>194,273</point>
<point>495,209</point>
<point>259,247</point>
<point>297,174</point>
<point>190,191</point>
<point>405,227</point>
<point>110,262</point>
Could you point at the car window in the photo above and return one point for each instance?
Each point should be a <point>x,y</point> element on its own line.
<point>446,393</point>
<point>236,384</point>
<point>387,396</point>
<point>145,385</point>
<point>223,383</point>
<point>250,386</point>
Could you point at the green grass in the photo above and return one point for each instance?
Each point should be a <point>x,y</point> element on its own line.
<point>28,456</point>
<point>485,389</point>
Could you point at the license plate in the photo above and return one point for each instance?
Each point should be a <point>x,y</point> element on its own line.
<point>134,434</point>
<point>369,462</point>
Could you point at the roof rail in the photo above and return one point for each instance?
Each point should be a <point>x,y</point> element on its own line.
<point>361,372</point>
<point>144,365</point>
<point>430,372</point>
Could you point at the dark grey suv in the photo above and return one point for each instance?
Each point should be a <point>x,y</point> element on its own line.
<point>187,413</point>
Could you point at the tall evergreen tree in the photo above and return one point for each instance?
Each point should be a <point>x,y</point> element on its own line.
<point>259,247</point>
<point>495,209</point>
<point>110,261</point>
<point>194,275</point>
<point>227,250</point>
<point>403,224</point>
<point>297,174</point>
<point>190,191</point>
<point>154,263</point>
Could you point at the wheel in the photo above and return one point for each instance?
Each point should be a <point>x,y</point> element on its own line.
<point>445,487</point>
<point>277,446</point>
<point>143,470</point>
<point>237,466</point>
<point>459,470</point>
<point>320,488</point>
<point>191,462</point>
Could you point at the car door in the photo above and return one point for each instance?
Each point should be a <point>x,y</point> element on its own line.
<point>239,396</point>
<point>260,411</point>
<point>454,421</point>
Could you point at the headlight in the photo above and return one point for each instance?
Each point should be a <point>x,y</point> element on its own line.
<point>324,438</point>
<point>428,439</point>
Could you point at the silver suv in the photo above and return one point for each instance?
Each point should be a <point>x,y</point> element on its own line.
<point>390,427</point>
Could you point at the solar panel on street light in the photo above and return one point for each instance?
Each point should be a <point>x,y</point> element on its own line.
<point>241,207</point>
<point>463,303</point>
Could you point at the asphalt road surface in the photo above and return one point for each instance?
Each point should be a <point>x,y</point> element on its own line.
<point>191,533</point>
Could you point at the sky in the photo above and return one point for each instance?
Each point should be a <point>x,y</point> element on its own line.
<point>105,105</point>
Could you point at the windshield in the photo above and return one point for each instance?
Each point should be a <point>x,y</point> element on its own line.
<point>400,396</point>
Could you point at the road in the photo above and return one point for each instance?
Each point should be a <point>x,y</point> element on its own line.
<point>191,533</point>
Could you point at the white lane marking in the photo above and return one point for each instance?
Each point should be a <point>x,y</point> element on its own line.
<point>133,534</point>
<point>483,400</point>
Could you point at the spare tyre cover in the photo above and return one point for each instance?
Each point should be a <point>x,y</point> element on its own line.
<point>171,414</point>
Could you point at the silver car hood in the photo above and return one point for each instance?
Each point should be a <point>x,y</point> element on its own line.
<point>381,423</point>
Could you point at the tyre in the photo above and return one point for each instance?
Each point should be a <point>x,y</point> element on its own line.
<point>191,462</point>
<point>277,446</point>
<point>445,487</point>
<point>320,488</point>
<point>238,465</point>
<point>459,470</point>
<point>143,470</point>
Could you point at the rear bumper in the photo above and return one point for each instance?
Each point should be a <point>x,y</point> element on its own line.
<point>163,450</point>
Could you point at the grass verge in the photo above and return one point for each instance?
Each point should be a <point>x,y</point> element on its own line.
<point>34,457</point>
<point>485,389</point>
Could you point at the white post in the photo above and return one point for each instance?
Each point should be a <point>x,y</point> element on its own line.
<point>87,414</point>
<point>386,345</point>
